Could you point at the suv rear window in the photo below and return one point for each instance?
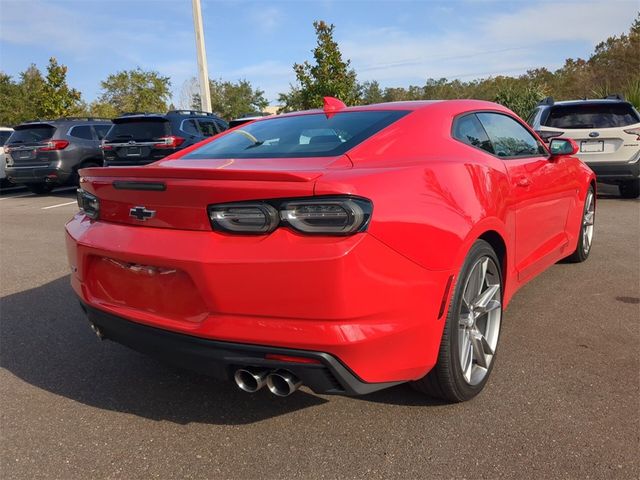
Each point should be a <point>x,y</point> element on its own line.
<point>138,130</point>
<point>32,133</point>
<point>314,135</point>
<point>592,115</point>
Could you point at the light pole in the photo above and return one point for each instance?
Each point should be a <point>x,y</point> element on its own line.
<point>205,94</point>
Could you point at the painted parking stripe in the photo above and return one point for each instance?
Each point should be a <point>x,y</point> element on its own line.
<point>59,205</point>
<point>18,196</point>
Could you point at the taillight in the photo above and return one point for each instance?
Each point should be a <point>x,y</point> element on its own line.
<point>634,131</point>
<point>546,136</point>
<point>104,146</point>
<point>88,203</point>
<point>339,215</point>
<point>169,142</point>
<point>54,145</point>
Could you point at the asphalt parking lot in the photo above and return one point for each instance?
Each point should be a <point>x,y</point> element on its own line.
<point>563,400</point>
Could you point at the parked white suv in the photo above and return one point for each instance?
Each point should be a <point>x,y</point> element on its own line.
<point>5,133</point>
<point>607,132</point>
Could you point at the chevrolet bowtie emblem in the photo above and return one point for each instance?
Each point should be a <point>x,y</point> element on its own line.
<point>141,213</point>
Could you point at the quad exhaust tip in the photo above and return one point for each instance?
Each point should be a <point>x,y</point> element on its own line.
<point>250,381</point>
<point>280,382</point>
<point>283,383</point>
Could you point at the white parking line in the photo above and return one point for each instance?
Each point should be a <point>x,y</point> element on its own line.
<point>18,196</point>
<point>59,205</point>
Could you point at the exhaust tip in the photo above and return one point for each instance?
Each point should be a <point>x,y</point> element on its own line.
<point>283,383</point>
<point>250,381</point>
<point>97,330</point>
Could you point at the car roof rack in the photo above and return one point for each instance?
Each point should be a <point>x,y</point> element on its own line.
<point>84,119</point>
<point>128,114</point>
<point>546,101</point>
<point>187,111</point>
<point>615,96</point>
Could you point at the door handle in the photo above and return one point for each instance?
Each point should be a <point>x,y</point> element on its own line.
<point>523,182</point>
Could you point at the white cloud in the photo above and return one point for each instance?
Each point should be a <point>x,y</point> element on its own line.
<point>269,19</point>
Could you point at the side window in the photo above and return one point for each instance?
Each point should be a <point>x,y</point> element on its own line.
<point>222,125</point>
<point>509,138</point>
<point>82,131</point>
<point>190,127</point>
<point>532,116</point>
<point>468,130</point>
<point>208,127</point>
<point>101,130</point>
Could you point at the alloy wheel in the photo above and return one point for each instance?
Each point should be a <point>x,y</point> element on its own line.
<point>479,320</point>
<point>588,221</point>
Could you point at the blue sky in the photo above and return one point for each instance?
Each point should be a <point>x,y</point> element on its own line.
<point>395,42</point>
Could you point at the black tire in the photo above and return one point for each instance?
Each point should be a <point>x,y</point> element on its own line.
<point>630,189</point>
<point>581,253</point>
<point>446,380</point>
<point>40,188</point>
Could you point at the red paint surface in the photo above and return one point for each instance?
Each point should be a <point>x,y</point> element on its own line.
<point>371,299</point>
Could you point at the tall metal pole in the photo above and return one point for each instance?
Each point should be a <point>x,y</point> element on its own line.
<point>205,94</point>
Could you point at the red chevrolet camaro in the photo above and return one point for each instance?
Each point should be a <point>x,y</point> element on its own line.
<point>348,249</point>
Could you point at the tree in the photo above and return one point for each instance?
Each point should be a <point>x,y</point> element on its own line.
<point>58,100</point>
<point>10,101</point>
<point>330,75</point>
<point>370,92</point>
<point>136,91</point>
<point>232,100</point>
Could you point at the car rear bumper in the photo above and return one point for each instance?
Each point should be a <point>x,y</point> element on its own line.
<point>222,359</point>
<point>352,298</point>
<point>37,175</point>
<point>615,171</point>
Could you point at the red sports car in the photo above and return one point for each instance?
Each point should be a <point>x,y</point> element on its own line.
<point>347,249</point>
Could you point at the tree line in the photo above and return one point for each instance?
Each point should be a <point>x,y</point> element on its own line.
<point>613,67</point>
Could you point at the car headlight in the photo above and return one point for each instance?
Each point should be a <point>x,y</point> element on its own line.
<point>88,203</point>
<point>335,215</point>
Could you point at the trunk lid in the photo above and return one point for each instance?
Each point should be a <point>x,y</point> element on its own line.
<point>176,193</point>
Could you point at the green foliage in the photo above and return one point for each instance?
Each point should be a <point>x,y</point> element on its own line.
<point>632,92</point>
<point>232,100</point>
<point>520,99</point>
<point>58,100</point>
<point>136,91</point>
<point>329,75</point>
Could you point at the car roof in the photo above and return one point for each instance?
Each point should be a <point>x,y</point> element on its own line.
<point>586,101</point>
<point>59,121</point>
<point>452,107</point>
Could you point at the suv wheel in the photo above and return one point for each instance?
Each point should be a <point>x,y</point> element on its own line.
<point>40,188</point>
<point>630,189</point>
<point>471,331</point>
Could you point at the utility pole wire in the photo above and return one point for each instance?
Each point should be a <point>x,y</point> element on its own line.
<point>203,75</point>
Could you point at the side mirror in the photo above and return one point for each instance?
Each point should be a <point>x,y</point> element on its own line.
<point>563,146</point>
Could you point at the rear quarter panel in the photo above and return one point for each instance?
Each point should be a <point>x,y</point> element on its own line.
<point>433,196</point>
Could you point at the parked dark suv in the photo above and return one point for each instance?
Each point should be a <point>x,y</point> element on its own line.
<point>43,154</point>
<point>142,138</point>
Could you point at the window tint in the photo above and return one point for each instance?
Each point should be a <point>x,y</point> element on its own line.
<point>101,130</point>
<point>222,125</point>
<point>138,130</point>
<point>592,115</point>
<point>190,127</point>
<point>509,138</point>
<point>468,129</point>
<point>282,137</point>
<point>4,135</point>
<point>82,131</point>
<point>208,127</point>
<point>32,133</point>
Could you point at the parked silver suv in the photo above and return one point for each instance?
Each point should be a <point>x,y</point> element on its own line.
<point>46,153</point>
<point>607,132</point>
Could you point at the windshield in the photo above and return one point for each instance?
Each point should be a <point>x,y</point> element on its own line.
<point>592,115</point>
<point>313,135</point>
<point>138,130</point>
<point>32,134</point>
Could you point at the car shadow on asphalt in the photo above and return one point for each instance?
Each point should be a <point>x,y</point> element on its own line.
<point>45,340</point>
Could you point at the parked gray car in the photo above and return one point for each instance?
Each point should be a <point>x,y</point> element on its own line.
<point>44,154</point>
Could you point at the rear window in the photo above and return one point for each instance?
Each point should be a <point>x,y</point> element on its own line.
<point>314,135</point>
<point>138,130</point>
<point>592,115</point>
<point>32,133</point>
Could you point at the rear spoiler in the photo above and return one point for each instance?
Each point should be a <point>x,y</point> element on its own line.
<point>203,173</point>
